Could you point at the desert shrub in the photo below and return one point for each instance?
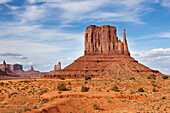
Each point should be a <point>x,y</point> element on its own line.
<point>62,78</point>
<point>164,77</point>
<point>132,78</point>
<point>61,87</point>
<point>115,88</point>
<point>153,76</point>
<point>42,102</point>
<point>14,93</point>
<point>85,82</point>
<point>30,91</point>
<point>59,92</point>
<point>0,91</point>
<point>141,90</point>
<point>44,90</point>
<point>69,83</point>
<point>26,81</point>
<point>26,87</point>
<point>153,83</point>
<point>154,89</point>
<point>148,77</point>
<point>6,84</point>
<point>163,97</point>
<point>132,92</point>
<point>95,106</point>
<point>10,82</point>
<point>22,88</point>
<point>35,107</point>
<point>27,109</point>
<point>87,77</point>
<point>119,78</point>
<point>1,83</point>
<point>84,89</point>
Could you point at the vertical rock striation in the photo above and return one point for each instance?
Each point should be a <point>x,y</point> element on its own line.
<point>103,40</point>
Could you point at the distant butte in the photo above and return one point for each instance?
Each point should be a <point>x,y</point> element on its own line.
<point>105,56</point>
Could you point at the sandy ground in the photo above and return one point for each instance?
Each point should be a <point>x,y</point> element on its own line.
<point>42,96</point>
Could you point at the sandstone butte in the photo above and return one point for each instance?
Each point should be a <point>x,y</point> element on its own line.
<point>105,56</point>
<point>4,71</point>
<point>16,70</point>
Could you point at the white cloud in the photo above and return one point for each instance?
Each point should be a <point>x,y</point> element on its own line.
<point>79,10</point>
<point>165,3</point>
<point>4,1</point>
<point>155,58</point>
<point>164,35</point>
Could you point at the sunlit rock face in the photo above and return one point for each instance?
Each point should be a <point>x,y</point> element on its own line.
<point>103,40</point>
<point>105,56</point>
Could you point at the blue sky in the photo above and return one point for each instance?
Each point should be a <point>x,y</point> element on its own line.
<point>44,32</point>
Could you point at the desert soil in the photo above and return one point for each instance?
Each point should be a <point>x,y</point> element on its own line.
<point>42,96</point>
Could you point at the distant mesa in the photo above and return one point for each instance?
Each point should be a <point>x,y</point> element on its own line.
<point>16,70</point>
<point>7,70</point>
<point>105,56</point>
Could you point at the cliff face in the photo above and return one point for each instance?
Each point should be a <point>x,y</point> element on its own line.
<point>103,40</point>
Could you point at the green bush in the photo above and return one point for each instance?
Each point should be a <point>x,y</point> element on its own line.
<point>62,78</point>
<point>84,89</point>
<point>61,87</point>
<point>10,82</point>
<point>154,89</point>
<point>87,77</point>
<point>141,90</point>
<point>132,78</point>
<point>163,97</point>
<point>164,77</point>
<point>85,82</point>
<point>153,83</point>
<point>1,83</point>
<point>118,78</point>
<point>153,76</point>
<point>25,81</point>
<point>115,88</point>
<point>43,91</point>
<point>148,77</point>
<point>14,93</point>
<point>35,107</point>
<point>95,107</point>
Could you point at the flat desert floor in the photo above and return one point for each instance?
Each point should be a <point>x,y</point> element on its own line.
<point>42,96</point>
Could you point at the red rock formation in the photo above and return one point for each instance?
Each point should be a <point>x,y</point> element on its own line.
<point>31,73</point>
<point>4,71</point>
<point>58,66</point>
<point>4,66</point>
<point>102,40</point>
<point>105,57</point>
<point>125,45</point>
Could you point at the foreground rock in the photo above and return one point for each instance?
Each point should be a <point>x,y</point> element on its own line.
<point>105,57</point>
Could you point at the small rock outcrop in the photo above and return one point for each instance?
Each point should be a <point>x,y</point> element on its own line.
<point>58,66</point>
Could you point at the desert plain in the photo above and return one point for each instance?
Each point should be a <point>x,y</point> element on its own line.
<point>43,95</point>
